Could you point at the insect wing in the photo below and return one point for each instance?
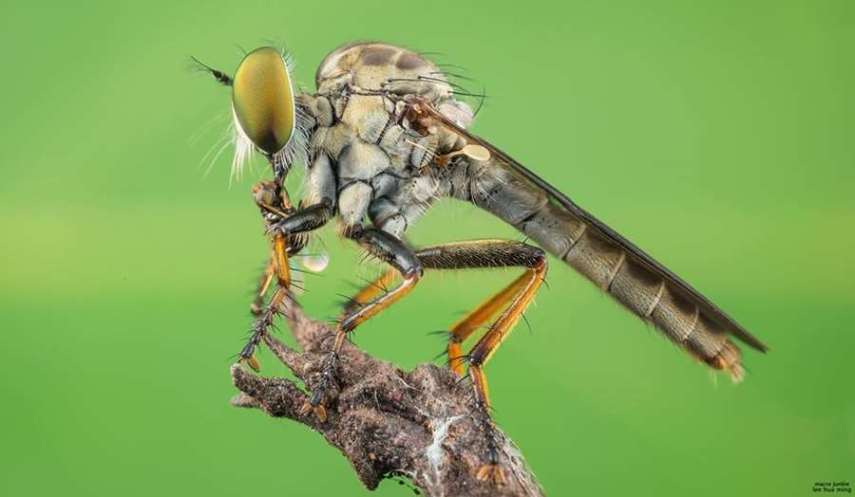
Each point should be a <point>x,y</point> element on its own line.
<point>520,173</point>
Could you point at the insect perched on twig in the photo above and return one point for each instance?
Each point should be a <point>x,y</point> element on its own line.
<point>383,136</point>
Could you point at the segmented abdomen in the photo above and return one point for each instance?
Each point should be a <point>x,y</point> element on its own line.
<point>616,270</point>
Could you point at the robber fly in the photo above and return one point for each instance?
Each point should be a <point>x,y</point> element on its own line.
<point>383,136</point>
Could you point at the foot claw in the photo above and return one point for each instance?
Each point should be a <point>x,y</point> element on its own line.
<point>319,410</point>
<point>252,362</point>
<point>492,473</point>
<point>315,403</point>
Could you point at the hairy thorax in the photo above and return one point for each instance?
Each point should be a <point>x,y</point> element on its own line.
<point>365,156</point>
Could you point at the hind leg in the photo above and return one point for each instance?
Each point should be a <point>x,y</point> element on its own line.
<point>509,303</point>
<point>287,227</point>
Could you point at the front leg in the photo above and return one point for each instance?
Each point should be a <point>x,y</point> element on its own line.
<point>288,227</point>
<point>304,220</point>
<point>285,229</point>
<point>272,199</point>
<point>397,254</point>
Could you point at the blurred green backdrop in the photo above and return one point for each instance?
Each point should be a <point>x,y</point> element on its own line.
<point>717,135</point>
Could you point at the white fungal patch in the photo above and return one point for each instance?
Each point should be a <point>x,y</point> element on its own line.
<point>434,452</point>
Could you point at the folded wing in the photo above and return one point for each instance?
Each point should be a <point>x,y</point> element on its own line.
<point>506,188</point>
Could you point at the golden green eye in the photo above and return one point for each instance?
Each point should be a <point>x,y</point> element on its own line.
<point>263,99</point>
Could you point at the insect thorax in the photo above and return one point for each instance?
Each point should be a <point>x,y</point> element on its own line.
<point>366,155</point>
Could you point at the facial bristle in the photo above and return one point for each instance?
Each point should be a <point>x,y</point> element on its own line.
<point>243,149</point>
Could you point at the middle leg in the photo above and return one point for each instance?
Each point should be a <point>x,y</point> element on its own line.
<point>369,302</point>
<point>287,227</point>
<point>508,304</point>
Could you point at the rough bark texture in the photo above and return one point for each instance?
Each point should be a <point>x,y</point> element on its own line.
<point>387,422</point>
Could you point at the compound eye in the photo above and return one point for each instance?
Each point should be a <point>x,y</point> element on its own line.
<point>263,100</point>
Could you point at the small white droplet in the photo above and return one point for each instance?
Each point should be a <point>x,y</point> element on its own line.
<point>315,262</point>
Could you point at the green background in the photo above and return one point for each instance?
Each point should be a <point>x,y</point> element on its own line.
<point>716,135</point>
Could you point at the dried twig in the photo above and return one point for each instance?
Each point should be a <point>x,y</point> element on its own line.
<point>387,422</point>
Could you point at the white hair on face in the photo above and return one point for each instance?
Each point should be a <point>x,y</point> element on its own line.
<point>223,141</point>
<point>294,151</point>
<point>290,63</point>
<point>243,149</point>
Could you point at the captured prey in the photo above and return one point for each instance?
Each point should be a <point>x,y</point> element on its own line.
<point>383,136</point>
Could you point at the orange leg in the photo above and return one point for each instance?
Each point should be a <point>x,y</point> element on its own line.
<point>274,204</point>
<point>278,268</point>
<point>526,287</point>
<point>484,349</point>
<point>474,320</point>
<point>262,322</point>
<point>369,292</point>
<point>280,261</point>
<point>264,281</point>
<point>369,302</point>
<point>509,304</point>
<point>347,325</point>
